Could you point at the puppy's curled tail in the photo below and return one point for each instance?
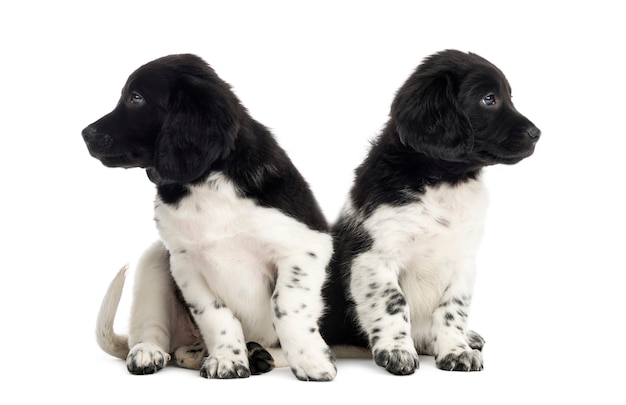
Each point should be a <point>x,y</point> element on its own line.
<point>112,343</point>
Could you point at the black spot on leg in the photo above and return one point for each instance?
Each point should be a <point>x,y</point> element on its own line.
<point>395,303</point>
<point>236,352</point>
<point>218,304</point>
<point>278,312</point>
<point>312,330</point>
<point>458,301</point>
<point>449,316</point>
<point>400,336</point>
<point>313,255</point>
<point>195,310</point>
<point>374,339</point>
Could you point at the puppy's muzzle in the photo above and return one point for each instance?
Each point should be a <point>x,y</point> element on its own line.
<point>96,142</point>
<point>533,133</point>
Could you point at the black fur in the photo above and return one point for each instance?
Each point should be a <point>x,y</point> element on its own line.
<point>177,119</point>
<point>443,128</point>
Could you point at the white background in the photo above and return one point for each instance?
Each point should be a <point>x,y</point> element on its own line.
<point>549,297</point>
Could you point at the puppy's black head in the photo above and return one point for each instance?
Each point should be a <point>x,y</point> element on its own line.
<point>175,117</point>
<point>457,107</point>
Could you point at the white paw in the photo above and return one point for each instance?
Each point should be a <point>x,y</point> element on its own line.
<point>458,359</point>
<point>146,358</point>
<point>226,363</point>
<point>398,356</point>
<point>313,365</point>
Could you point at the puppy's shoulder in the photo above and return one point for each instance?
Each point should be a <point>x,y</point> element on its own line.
<point>263,171</point>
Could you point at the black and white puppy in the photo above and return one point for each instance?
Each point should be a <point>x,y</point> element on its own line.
<point>245,240</point>
<point>406,241</point>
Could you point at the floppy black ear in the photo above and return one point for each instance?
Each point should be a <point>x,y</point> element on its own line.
<point>200,128</point>
<point>429,118</point>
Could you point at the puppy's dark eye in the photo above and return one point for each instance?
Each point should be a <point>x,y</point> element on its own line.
<point>489,100</point>
<point>136,98</point>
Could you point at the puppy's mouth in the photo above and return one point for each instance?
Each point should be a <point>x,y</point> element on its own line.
<point>124,161</point>
<point>505,157</point>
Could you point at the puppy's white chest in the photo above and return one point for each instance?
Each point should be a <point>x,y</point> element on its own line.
<point>443,220</point>
<point>434,240</point>
<point>211,213</point>
<point>222,232</point>
<point>447,223</point>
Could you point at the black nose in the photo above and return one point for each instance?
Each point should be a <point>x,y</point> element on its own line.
<point>533,133</point>
<point>89,134</point>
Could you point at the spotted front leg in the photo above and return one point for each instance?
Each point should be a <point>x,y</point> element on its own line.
<point>225,342</point>
<point>298,305</point>
<point>456,348</point>
<point>383,312</point>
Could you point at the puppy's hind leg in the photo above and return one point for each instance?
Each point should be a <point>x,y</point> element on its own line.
<point>152,312</point>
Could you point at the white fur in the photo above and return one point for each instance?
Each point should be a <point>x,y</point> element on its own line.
<point>158,322</point>
<point>249,273</point>
<point>427,250</point>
